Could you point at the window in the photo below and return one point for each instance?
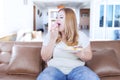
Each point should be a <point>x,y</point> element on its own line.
<point>117,16</point>
<point>111,15</point>
<point>101,15</point>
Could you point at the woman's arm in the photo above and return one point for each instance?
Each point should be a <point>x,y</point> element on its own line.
<point>47,51</point>
<point>85,54</point>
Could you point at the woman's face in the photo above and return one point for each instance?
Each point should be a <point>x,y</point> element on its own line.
<point>61,20</point>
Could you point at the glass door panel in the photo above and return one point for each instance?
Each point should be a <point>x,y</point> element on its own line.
<point>109,15</point>
<point>101,16</point>
<point>117,16</point>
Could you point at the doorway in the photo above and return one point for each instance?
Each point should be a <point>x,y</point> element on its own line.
<point>84,18</point>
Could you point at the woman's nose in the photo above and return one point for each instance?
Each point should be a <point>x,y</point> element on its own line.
<point>57,20</point>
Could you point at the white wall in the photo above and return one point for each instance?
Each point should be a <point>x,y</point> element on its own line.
<point>40,21</point>
<point>77,12</point>
<point>1,17</point>
<point>45,16</point>
<point>96,33</point>
<point>17,15</point>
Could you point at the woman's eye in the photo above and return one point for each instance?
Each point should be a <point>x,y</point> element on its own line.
<point>59,17</point>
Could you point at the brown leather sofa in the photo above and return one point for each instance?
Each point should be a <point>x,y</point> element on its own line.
<point>22,60</point>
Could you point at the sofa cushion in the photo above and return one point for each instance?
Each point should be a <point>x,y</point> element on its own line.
<point>25,60</point>
<point>5,57</point>
<point>104,63</point>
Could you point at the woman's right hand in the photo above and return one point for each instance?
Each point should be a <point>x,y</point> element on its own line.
<point>54,32</point>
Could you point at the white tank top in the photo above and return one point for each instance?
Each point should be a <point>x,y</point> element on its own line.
<point>63,59</point>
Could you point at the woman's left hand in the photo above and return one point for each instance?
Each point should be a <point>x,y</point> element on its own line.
<point>84,54</point>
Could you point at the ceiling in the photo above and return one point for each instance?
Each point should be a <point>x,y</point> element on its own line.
<point>66,3</point>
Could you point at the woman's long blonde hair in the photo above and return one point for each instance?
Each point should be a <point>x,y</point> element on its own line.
<point>71,32</point>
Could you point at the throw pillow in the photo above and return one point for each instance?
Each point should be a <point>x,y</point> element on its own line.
<point>104,63</point>
<point>25,60</point>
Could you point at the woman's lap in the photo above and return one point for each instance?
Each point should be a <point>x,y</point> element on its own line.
<point>78,73</point>
<point>51,73</point>
<point>82,73</point>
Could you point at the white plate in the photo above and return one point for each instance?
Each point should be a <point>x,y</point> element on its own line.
<point>73,50</point>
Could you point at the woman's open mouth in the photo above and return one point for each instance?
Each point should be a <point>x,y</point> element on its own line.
<point>58,24</point>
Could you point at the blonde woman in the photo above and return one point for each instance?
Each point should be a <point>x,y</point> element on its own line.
<point>66,51</point>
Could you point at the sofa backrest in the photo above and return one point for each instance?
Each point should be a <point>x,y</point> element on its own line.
<point>115,45</point>
<point>106,58</point>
